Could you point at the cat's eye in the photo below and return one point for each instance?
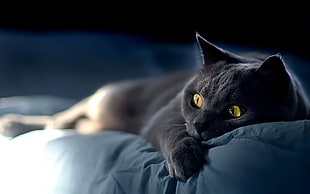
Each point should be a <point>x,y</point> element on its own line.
<point>197,101</point>
<point>234,111</point>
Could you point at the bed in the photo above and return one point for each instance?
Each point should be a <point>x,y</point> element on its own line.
<point>262,158</point>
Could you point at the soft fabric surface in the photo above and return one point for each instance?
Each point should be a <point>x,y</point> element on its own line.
<point>264,158</point>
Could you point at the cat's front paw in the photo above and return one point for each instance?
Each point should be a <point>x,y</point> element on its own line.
<point>185,159</point>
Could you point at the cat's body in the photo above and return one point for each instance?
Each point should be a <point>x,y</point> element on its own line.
<point>176,111</point>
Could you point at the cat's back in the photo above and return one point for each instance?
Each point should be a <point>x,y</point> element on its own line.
<point>156,92</point>
<point>131,103</point>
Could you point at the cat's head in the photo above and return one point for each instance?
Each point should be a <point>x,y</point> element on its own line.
<point>231,91</point>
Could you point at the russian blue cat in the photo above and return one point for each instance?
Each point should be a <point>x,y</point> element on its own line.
<point>176,112</point>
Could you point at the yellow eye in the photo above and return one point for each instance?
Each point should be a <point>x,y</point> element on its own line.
<point>197,101</point>
<point>234,111</point>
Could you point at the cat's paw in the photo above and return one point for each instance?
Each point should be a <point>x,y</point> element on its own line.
<point>8,121</point>
<point>11,125</point>
<point>185,159</point>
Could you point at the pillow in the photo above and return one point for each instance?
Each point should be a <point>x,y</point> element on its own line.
<point>262,158</point>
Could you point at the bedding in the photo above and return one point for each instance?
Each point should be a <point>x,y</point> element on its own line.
<point>262,158</point>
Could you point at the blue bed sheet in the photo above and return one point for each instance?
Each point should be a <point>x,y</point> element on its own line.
<point>263,158</point>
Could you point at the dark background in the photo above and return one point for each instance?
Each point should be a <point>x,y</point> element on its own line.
<point>36,60</point>
<point>283,27</point>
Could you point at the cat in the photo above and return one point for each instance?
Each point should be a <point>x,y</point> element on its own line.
<point>176,112</point>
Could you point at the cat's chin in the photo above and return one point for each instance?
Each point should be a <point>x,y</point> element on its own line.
<point>203,136</point>
<point>206,136</point>
<point>192,131</point>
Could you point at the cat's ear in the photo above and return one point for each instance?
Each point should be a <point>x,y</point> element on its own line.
<point>273,74</point>
<point>210,53</point>
<point>272,66</point>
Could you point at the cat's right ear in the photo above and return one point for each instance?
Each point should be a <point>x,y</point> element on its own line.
<point>209,52</point>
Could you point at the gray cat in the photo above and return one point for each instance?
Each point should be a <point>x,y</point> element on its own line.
<point>176,112</point>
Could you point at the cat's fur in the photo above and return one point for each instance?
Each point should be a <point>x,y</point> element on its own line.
<point>162,110</point>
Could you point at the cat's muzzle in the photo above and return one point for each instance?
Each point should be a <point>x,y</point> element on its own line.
<point>194,130</point>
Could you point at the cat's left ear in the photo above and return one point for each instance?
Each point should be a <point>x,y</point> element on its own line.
<point>274,76</point>
<point>272,66</point>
